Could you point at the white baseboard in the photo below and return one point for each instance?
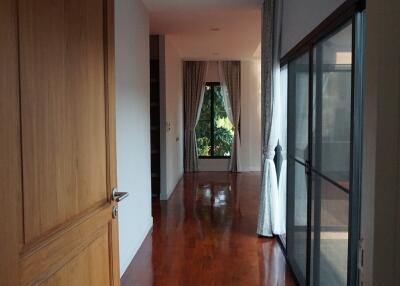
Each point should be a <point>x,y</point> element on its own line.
<point>250,169</point>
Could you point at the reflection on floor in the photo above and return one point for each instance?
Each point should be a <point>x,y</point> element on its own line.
<point>206,235</point>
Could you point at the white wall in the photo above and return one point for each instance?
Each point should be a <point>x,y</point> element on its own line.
<point>381,169</point>
<point>301,17</point>
<point>250,150</point>
<point>172,118</point>
<point>213,165</point>
<point>133,125</point>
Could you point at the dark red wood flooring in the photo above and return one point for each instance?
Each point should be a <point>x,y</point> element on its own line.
<point>206,235</point>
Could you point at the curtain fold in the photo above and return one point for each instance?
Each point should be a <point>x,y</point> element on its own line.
<point>230,75</point>
<point>227,101</point>
<point>194,74</point>
<point>282,193</point>
<point>270,219</point>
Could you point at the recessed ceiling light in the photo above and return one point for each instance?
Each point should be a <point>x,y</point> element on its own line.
<point>215,29</point>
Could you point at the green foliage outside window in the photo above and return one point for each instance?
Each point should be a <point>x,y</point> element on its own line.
<point>223,136</point>
<point>203,146</point>
<point>214,130</point>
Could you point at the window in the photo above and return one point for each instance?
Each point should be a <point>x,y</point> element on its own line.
<point>214,130</point>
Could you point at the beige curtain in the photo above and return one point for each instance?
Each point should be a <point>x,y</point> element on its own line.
<point>231,77</point>
<point>194,74</point>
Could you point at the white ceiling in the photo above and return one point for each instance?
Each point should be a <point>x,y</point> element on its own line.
<point>190,23</point>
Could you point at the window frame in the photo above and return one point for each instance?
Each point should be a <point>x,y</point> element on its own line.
<point>213,84</point>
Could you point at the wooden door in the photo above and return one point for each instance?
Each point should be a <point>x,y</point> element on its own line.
<point>57,147</point>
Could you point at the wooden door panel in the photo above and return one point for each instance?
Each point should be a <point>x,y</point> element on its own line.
<point>79,271</point>
<point>57,147</point>
<point>10,158</point>
<point>45,259</point>
<point>63,110</point>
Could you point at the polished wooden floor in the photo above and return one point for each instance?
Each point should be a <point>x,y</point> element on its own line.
<point>206,235</point>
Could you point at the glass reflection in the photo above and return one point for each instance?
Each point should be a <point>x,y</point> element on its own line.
<point>331,157</point>
<point>297,191</point>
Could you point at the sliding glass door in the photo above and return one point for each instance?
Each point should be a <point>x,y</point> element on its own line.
<point>298,153</point>
<point>332,113</point>
<point>324,151</point>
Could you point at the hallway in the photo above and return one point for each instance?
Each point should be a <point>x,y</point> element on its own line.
<point>205,234</point>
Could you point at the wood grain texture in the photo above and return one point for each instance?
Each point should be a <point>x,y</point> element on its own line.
<point>79,271</point>
<point>44,261</point>
<point>206,235</point>
<point>63,111</point>
<point>57,111</point>
<point>109,47</point>
<point>10,159</point>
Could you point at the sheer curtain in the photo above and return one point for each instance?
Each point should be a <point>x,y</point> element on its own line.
<point>282,193</point>
<point>230,77</point>
<point>271,215</point>
<point>227,102</point>
<point>194,75</point>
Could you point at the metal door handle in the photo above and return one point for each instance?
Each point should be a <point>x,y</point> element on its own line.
<point>118,196</point>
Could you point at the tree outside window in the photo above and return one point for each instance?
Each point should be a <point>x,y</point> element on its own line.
<point>214,130</point>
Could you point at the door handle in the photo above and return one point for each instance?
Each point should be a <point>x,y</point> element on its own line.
<point>118,196</point>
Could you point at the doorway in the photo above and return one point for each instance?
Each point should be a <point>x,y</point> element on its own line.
<point>155,117</point>
<point>324,154</point>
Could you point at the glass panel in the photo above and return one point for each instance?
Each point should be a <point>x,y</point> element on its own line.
<point>333,91</point>
<point>300,219</point>
<point>223,128</point>
<point>203,127</point>
<point>330,168</point>
<point>300,68</point>
<point>297,179</point>
<point>332,239</point>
